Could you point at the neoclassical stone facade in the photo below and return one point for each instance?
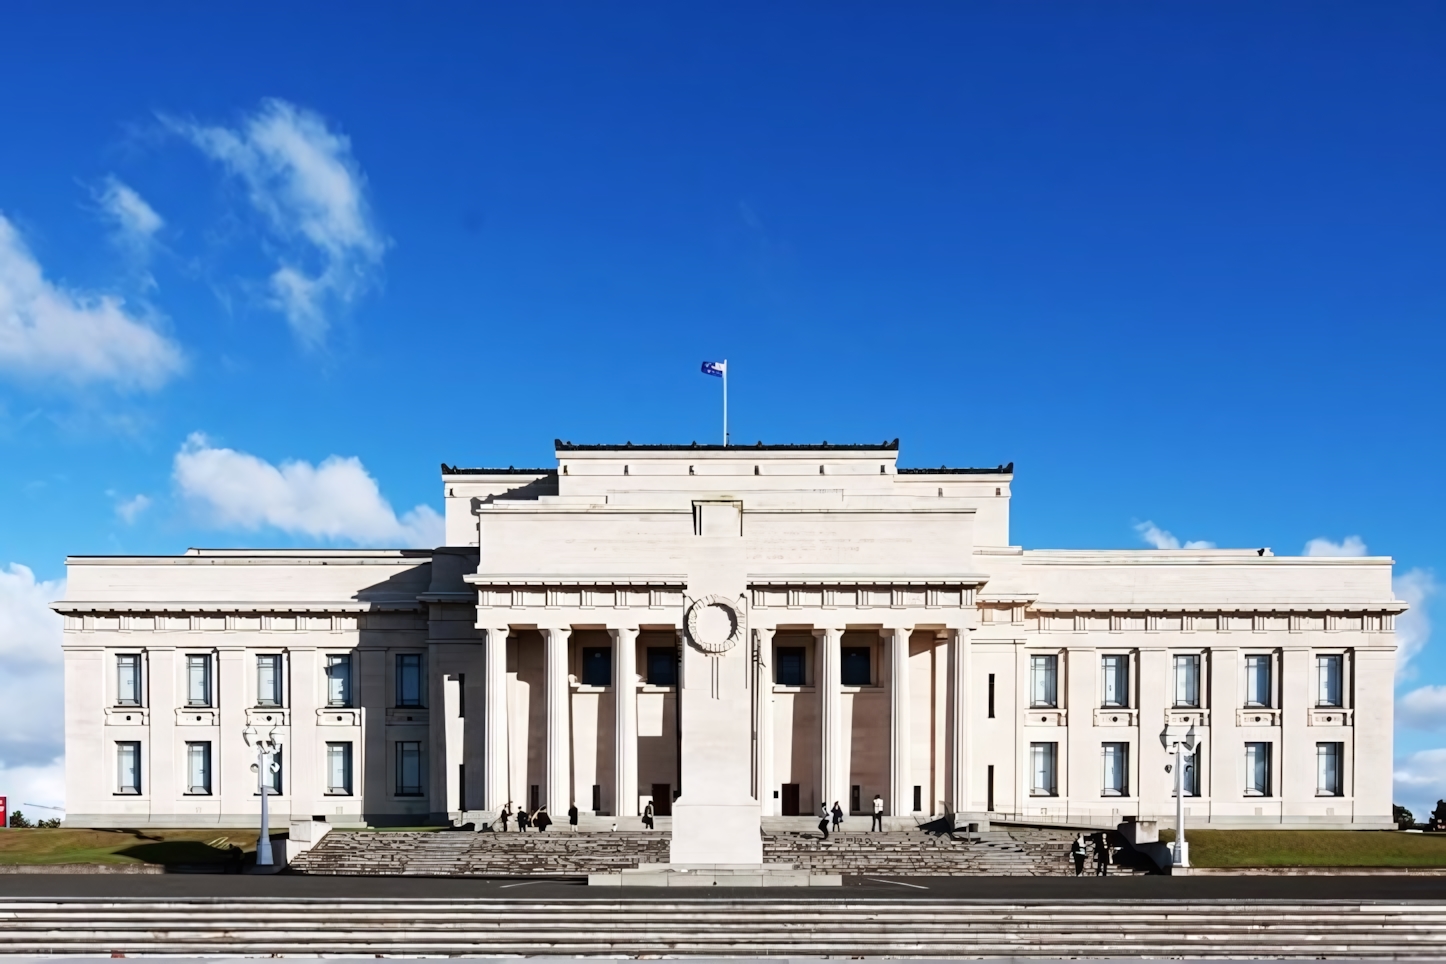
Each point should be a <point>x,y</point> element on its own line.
<point>886,637</point>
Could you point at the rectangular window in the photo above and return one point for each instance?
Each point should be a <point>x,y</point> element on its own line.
<point>1115,680</point>
<point>662,667</point>
<point>268,679</point>
<point>1329,673</point>
<point>338,768</point>
<point>338,680</point>
<point>1257,769</point>
<point>1042,782</point>
<point>409,768</point>
<point>272,778</point>
<point>128,679</point>
<point>1044,681</point>
<point>1257,680</point>
<point>792,668</point>
<point>856,667</point>
<point>991,699</point>
<point>1328,774</point>
<point>1116,770</point>
<point>409,679</point>
<point>597,798</point>
<point>1190,779</point>
<point>918,798</point>
<point>198,679</point>
<point>856,798</point>
<point>989,789</point>
<point>597,666</point>
<point>198,767</point>
<point>128,767</point>
<point>1187,681</point>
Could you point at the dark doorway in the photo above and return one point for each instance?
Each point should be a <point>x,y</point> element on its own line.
<point>534,797</point>
<point>662,799</point>
<point>856,799</point>
<point>790,800</point>
<point>989,785</point>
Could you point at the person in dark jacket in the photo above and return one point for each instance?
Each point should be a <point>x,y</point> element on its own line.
<point>524,819</point>
<point>572,818</point>
<point>823,818</point>
<point>837,817</point>
<point>542,820</point>
<point>1079,852</point>
<point>504,815</point>
<point>648,815</point>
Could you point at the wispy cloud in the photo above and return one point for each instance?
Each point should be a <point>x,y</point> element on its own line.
<point>1349,546</point>
<point>301,176</point>
<point>134,221</point>
<point>336,499</point>
<point>128,510</point>
<point>51,333</point>
<point>1158,538</point>
<point>31,742</point>
<point>1424,708</point>
<point>1420,780</point>
<point>1413,627</point>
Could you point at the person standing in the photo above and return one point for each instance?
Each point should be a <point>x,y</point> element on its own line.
<point>1102,856</point>
<point>572,817</point>
<point>1079,852</point>
<point>524,819</point>
<point>504,815</point>
<point>648,815</point>
<point>823,817</point>
<point>542,820</point>
<point>837,817</point>
<point>878,823</point>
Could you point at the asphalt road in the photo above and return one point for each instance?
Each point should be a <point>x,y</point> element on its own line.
<point>897,888</point>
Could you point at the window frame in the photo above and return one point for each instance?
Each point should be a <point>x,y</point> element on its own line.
<point>1267,661</point>
<point>652,656</point>
<point>1259,748</point>
<point>1121,753</point>
<point>1336,754</point>
<point>138,681</point>
<point>133,749</point>
<point>274,788</point>
<point>1322,660</point>
<point>207,662</point>
<point>404,665</point>
<point>334,660</point>
<point>802,653</point>
<point>344,750</point>
<point>1121,662</point>
<point>1049,663</point>
<point>399,787</point>
<point>1048,752</point>
<point>278,685</point>
<point>199,749</point>
<point>868,662</point>
<point>1197,661</point>
<point>586,666</point>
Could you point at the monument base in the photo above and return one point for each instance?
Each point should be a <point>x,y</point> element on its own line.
<point>727,834</point>
<point>714,875</point>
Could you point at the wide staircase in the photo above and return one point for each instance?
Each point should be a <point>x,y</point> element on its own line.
<point>716,928</point>
<point>1015,853</point>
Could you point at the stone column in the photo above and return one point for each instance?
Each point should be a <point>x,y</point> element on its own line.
<point>496,790</point>
<point>625,727</point>
<point>559,741</point>
<point>958,720</point>
<point>901,787</point>
<point>832,781</point>
<point>763,714</point>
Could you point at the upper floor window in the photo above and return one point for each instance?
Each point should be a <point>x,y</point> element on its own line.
<point>198,679</point>
<point>409,679</point>
<point>338,680</point>
<point>1329,676</point>
<point>1115,680</point>
<point>1257,680</point>
<point>792,668</point>
<point>1044,681</point>
<point>856,668</point>
<point>268,679</point>
<point>597,666</point>
<point>662,666</point>
<point>1187,681</point>
<point>128,679</point>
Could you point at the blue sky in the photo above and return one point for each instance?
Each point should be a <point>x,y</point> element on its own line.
<point>1181,263</point>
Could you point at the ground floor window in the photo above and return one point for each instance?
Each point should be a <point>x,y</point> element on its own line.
<point>128,767</point>
<point>1116,757</point>
<point>198,767</point>
<point>338,768</point>
<point>271,779</point>
<point>1042,769</point>
<point>1328,782</point>
<point>1257,769</point>
<point>409,768</point>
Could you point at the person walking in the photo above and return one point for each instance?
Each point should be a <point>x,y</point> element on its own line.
<point>1079,852</point>
<point>572,817</point>
<point>524,819</point>
<point>1102,856</point>
<point>648,815</point>
<point>878,823</point>
<point>542,820</point>
<point>837,817</point>
<point>503,817</point>
<point>823,817</point>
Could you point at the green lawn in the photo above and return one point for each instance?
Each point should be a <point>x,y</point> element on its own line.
<point>1313,848</point>
<point>63,846</point>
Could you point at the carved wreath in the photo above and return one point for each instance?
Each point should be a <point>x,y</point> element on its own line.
<point>714,624</point>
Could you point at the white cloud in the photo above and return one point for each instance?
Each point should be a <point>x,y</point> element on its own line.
<point>1420,780</point>
<point>1424,708</point>
<point>41,783</point>
<point>303,179</point>
<point>135,221</point>
<point>32,739</point>
<point>1159,538</point>
<point>1349,546</point>
<point>48,332</point>
<point>336,500</point>
<point>130,509</point>
<point>1413,627</point>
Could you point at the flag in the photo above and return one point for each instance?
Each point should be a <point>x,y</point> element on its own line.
<point>715,368</point>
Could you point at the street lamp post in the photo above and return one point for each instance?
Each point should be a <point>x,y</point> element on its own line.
<point>1184,743</point>
<point>266,749</point>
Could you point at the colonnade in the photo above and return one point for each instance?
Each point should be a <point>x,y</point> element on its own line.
<point>834,778</point>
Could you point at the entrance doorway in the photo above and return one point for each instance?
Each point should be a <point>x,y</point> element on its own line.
<point>790,800</point>
<point>662,799</point>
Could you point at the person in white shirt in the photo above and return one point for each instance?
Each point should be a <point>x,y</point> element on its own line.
<point>878,823</point>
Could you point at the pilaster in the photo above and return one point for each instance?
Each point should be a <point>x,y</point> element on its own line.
<point>625,730</point>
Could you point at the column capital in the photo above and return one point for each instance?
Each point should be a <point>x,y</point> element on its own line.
<point>616,631</point>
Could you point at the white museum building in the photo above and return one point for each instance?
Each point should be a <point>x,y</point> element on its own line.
<point>734,635</point>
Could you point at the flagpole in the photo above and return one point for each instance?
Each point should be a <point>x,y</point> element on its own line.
<point>725,403</point>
